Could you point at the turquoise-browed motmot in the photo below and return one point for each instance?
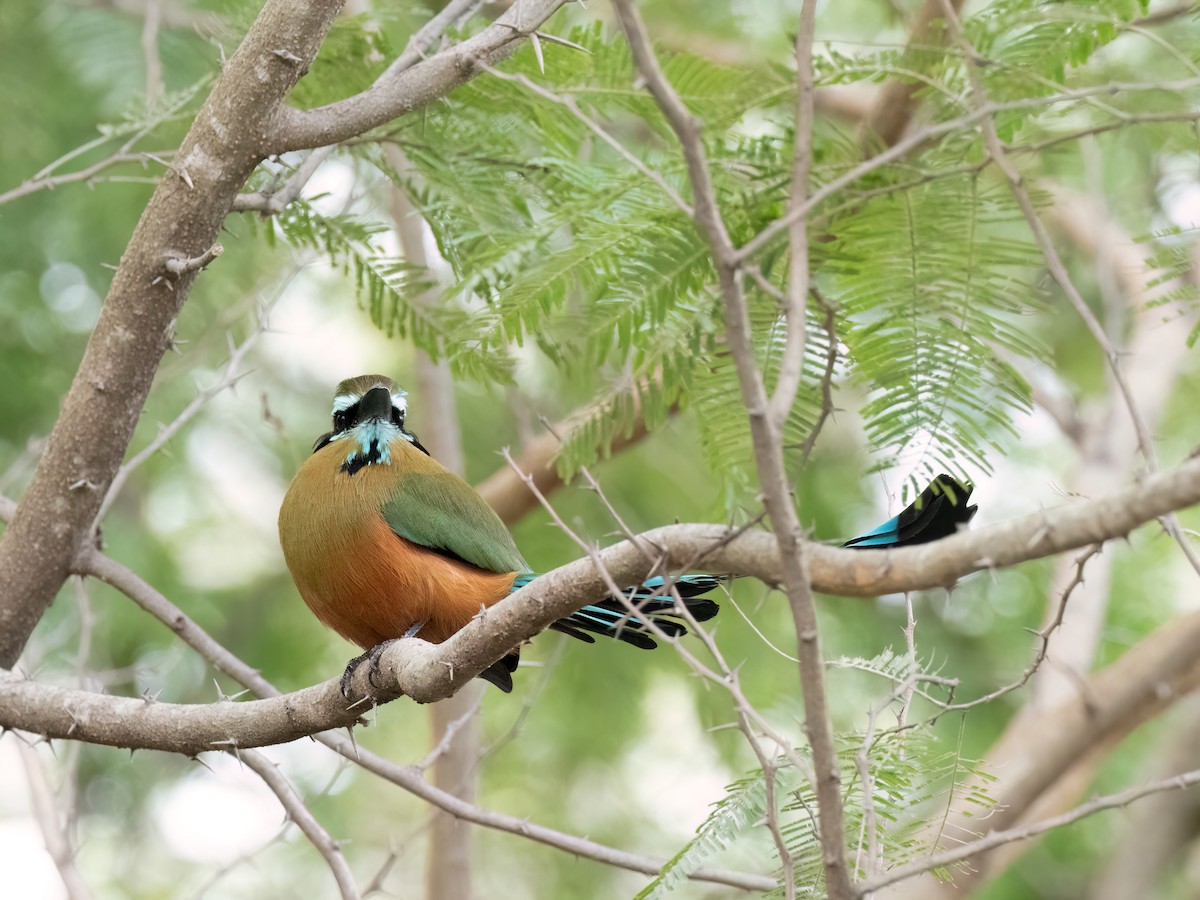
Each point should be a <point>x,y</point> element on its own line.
<point>384,542</point>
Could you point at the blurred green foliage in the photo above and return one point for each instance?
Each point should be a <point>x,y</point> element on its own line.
<point>574,278</point>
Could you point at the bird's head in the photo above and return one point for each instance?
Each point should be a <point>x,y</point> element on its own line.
<point>368,414</point>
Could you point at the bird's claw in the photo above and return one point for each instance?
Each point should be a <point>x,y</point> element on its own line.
<point>372,656</point>
<point>348,675</point>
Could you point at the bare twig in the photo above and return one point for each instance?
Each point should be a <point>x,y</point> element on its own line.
<point>597,129</point>
<point>429,34</point>
<point>406,777</point>
<point>229,377</point>
<point>1025,832</point>
<point>42,182</point>
<point>930,133</point>
<point>304,819</point>
<point>765,414</point>
<point>273,202</point>
<point>1044,635</point>
<point>725,676</point>
<point>791,367</point>
<point>55,834</point>
<point>831,358</point>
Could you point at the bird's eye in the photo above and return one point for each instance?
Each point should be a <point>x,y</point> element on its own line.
<point>397,417</point>
<point>343,417</point>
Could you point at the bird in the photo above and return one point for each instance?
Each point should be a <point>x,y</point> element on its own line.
<point>383,543</point>
<point>938,512</point>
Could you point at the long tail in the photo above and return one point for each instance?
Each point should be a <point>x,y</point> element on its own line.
<point>653,602</point>
<point>937,513</point>
<point>612,619</point>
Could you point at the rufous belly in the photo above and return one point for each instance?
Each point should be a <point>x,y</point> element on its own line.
<point>360,578</point>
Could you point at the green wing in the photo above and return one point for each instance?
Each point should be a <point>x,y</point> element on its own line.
<point>440,511</point>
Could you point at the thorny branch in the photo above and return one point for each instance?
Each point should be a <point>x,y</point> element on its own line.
<point>727,677</point>
<point>230,376</point>
<point>294,806</point>
<point>407,777</point>
<point>998,838</point>
<point>766,414</point>
<point>243,121</point>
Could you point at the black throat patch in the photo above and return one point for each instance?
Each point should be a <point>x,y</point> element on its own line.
<point>361,460</point>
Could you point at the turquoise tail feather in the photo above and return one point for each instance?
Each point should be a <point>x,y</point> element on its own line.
<point>940,510</point>
<point>612,618</point>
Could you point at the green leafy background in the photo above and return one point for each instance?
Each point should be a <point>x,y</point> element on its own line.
<point>571,281</point>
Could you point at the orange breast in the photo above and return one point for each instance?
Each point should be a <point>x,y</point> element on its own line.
<point>360,578</point>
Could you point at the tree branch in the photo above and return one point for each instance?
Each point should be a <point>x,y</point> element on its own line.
<point>767,414</point>
<point>407,777</point>
<point>393,95</point>
<point>241,123</point>
<point>228,138</point>
<point>1025,832</point>
<point>427,672</point>
<point>304,819</point>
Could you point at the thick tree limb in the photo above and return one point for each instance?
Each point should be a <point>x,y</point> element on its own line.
<point>394,95</point>
<point>427,672</point>
<point>230,135</point>
<point>240,124</point>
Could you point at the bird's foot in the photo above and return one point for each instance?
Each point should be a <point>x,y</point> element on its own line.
<point>351,668</point>
<point>372,656</point>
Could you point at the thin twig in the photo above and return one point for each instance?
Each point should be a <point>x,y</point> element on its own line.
<point>791,366</point>
<point>300,814</point>
<point>229,377</point>
<point>273,202</point>
<point>931,132</point>
<point>597,129</point>
<point>766,436</point>
<point>54,833</point>
<point>429,34</point>
<point>42,182</point>
<point>1025,832</point>
<point>831,358</point>
<point>406,777</point>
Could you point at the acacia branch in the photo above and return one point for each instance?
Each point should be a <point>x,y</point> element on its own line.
<point>766,415</point>
<point>427,672</point>
<point>1142,682</point>
<point>999,838</point>
<point>228,138</point>
<point>304,819</point>
<point>242,121</point>
<point>395,94</point>
<point>407,777</point>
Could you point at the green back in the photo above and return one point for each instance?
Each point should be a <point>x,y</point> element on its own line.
<point>440,511</point>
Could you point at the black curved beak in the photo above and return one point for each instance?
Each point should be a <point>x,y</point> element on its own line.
<point>375,404</point>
